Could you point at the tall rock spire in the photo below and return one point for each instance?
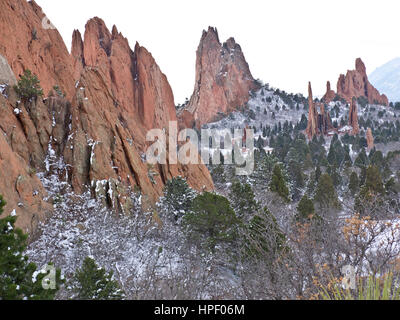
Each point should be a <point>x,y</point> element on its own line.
<point>223,80</point>
<point>311,130</point>
<point>319,121</point>
<point>77,54</point>
<point>353,117</point>
<point>330,94</point>
<point>370,139</point>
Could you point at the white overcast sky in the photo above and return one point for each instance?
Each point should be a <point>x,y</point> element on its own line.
<point>286,43</point>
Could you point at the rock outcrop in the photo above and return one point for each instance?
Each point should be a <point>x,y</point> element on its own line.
<point>370,139</point>
<point>353,117</point>
<point>134,97</point>
<point>77,54</point>
<point>330,94</point>
<point>356,84</point>
<point>113,96</point>
<point>319,121</point>
<point>223,79</point>
<point>26,42</point>
<point>20,146</point>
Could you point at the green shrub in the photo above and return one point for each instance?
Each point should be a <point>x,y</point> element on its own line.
<point>28,87</point>
<point>211,221</point>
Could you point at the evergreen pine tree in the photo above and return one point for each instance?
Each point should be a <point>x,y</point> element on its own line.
<point>296,176</point>
<point>28,86</point>
<point>373,180</point>
<point>377,159</point>
<point>278,183</point>
<point>318,173</point>
<point>211,221</point>
<point>178,197</point>
<point>391,187</point>
<point>264,239</point>
<point>326,195</point>
<point>336,178</point>
<point>19,279</point>
<point>243,199</point>
<point>354,183</point>
<point>94,283</point>
<point>362,159</point>
<point>305,209</point>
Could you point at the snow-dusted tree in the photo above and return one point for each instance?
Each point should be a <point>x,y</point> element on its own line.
<point>94,283</point>
<point>19,279</point>
<point>212,221</point>
<point>178,197</point>
<point>243,199</point>
<point>278,183</point>
<point>326,195</point>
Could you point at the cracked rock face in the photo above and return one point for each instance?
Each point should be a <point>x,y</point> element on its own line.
<point>19,185</point>
<point>223,79</point>
<point>113,96</point>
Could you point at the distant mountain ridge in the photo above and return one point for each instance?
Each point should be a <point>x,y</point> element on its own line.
<point>387,79</point>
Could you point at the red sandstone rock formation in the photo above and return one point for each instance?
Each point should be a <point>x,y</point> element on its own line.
<point>312,115</point>
<point>26,44</point>
<point>355,84</point>
<point>77,54</point>
<point>370,139</point>
<point>134,96</point>
<point>330,94</point>
<point>223,79</point>
<point>99,128</point>
<point>319,121</point>
<point>353,117</point>
<point>20,146</point>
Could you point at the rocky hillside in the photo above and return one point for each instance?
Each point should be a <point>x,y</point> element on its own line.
<point>98,104</point>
